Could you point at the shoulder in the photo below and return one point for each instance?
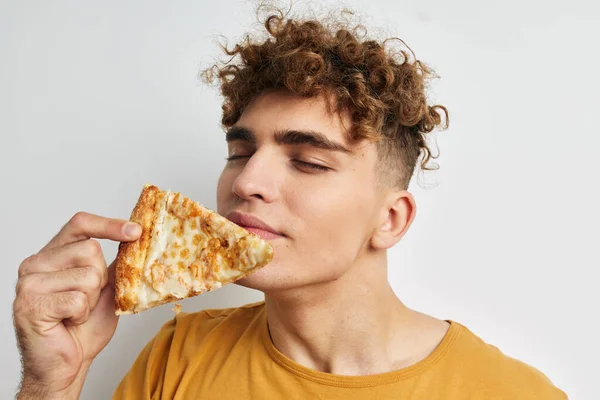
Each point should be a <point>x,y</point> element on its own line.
<point>186,338</point>
<point>487,367</point>
<point>244,311</point>
<point>201,323</point>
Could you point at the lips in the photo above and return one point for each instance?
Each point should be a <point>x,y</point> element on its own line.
<point>255,225</point>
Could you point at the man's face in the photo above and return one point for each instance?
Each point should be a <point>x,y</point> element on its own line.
<point>292,167</point>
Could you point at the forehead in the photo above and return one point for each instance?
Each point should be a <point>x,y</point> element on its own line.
<point>275,111</point>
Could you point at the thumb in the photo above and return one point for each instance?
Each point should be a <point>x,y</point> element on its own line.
<point>104,312</point>
<point>102,322</point>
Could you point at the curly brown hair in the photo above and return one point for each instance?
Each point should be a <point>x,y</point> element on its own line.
<point>384,91</point>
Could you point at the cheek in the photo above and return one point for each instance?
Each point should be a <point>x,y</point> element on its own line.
<point>224,186</point>
<point>330,209</point>
<point>329,225</point>
<point>335,226</point>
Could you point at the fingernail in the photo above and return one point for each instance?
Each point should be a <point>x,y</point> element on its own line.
<point>132,229</point>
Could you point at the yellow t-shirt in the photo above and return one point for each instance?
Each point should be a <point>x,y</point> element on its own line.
<point>228,354</point>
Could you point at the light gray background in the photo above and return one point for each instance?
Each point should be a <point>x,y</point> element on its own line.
<point>98,98</point>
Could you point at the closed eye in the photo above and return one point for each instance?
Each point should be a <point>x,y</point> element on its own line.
<point>304,164</point>
<point>299,163</point>
<point>233,158</point>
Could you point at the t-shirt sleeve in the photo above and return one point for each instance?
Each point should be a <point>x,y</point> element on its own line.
<point>146,377</point>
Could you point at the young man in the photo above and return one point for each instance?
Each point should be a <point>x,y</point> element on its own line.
<point>324,133</point>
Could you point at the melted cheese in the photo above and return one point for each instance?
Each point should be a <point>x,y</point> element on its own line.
<point>191,253</point>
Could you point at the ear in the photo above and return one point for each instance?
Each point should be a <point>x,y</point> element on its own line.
<point>397,216</point>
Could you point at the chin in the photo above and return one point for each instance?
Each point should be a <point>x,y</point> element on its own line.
<point>270,278</point>
<point>260,280</point>
<point>277,278</point>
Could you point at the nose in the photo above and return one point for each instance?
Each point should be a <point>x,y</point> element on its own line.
<point>257,180</point>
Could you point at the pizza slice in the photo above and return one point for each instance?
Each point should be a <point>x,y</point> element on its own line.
<point>184,250</point>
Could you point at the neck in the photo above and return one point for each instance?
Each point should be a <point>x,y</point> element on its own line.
<point>349,326</point>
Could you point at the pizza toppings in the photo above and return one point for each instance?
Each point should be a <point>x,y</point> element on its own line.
<point>188,250</point>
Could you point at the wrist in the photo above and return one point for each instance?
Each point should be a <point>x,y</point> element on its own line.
<point>33,389</point>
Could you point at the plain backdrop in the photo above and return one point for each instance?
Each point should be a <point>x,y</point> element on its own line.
<point>98,98</point>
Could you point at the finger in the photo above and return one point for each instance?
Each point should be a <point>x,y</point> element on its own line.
<point>101,323</point>
<point>112,273</point>
<point>87,253</point>
<point>54,307</point>
<point>84,226</point>
<point>84,279</point>
<point>103,316</point>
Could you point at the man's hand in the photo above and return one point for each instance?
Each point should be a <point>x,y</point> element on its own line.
<point>64,309</point>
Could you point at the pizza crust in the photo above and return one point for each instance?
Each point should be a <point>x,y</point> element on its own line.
<point>132,254</point>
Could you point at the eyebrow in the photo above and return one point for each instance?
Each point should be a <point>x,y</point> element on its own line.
<point>238,133</point>
<point>289,137</point>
